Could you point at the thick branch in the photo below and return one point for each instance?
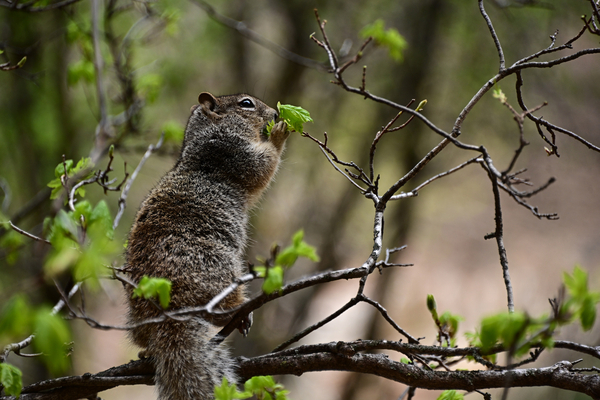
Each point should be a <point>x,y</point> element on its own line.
<point>558,376</point>
<point>341,356</point>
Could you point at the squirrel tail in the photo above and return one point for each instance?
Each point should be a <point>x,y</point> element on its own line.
<point>187,365</point>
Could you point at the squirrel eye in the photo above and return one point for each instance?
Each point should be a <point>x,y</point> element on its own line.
<point>246,103</point>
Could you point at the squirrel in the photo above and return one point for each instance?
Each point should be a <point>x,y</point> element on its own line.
<point>192,230</point>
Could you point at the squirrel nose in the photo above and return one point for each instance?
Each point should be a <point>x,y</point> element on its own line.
<point>276,115</point>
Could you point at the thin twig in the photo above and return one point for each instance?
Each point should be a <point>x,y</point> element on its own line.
<point>499,236</point>
<point>351,303</point>
<point>488,21</point>
<point>29,235</point>
<point>123,199</point>
<point>416,190</point>
<point>389,319</point>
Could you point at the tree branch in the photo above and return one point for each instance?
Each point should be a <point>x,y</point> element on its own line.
<point>346,356</point>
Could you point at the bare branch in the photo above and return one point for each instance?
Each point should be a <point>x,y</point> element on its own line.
<point>499,236</point>
<point>354,301</point>
<point>488,21</point>
<point>125,193</point>
<point>343,356</point>
<point>416,190</point>
<point>389,319</point>
<point>29,235</point>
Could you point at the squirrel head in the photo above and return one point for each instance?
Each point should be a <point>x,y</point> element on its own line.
<point>226,139</point>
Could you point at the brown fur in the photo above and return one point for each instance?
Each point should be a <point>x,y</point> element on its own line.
<point>191,229</point>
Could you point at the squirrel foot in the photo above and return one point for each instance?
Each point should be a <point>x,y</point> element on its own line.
<point>245,324</point>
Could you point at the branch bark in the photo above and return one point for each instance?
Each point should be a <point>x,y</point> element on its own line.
<point>340,356</point>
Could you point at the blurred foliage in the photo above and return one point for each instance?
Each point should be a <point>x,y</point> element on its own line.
<point>389,38</point>
<point>258,387</point>
<point>11,379</point>
<point>19,319</point>
<point>158,56</point>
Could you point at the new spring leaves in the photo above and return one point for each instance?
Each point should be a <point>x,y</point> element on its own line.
<point>518,331</point>
<point>286,258</point>
<point>294,117</point>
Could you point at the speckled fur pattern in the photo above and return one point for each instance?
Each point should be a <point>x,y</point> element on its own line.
<point>191,229</point>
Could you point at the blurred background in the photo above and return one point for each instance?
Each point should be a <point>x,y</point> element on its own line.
<point>171,50</point>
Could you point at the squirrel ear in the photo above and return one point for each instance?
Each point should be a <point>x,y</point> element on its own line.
<point>207,100</point>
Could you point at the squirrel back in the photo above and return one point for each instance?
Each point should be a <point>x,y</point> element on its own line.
<point>191,229</point>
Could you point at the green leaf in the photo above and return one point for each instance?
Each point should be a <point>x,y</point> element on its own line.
<point>59,171</point>
<point>499,94</point>
<point>282,395</point>
<point>149,86</point>
<point>294,116</point>
<point>577,284</point>
<point>297,237</point>
<point>61,260</point>
<point>307,251</point>
<point>56,186</point>
<point>66,224</point>
<point>154,287</point>
<point>260,271</point>
<point>288,256</point>
<point>83,164</point>
<point>390,38</point>
<point>63,233</point>
<point>92,261</point>
<point>102,219</point>
<point>171,16</point>
<point>587,314</point>
<point>405,360</point>
<point>81,70</point>
<point>174,132</point>
<point>60,168</point>
<point>257,384</point>
<point>450,395</point>
<point>582,303</point>
<point>11,242</point>
<point>509,328</point>
<point>15,317</point>
<point>52,334</point>
<point>73,32</point>
<point>264,387</point>
<point>229,391</point>
<point>274,280</point>
<point>82,208</point>
<point>10,378</point>
<point>450,321</point>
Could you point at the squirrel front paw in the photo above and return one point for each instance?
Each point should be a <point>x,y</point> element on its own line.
<point>279,134</point>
